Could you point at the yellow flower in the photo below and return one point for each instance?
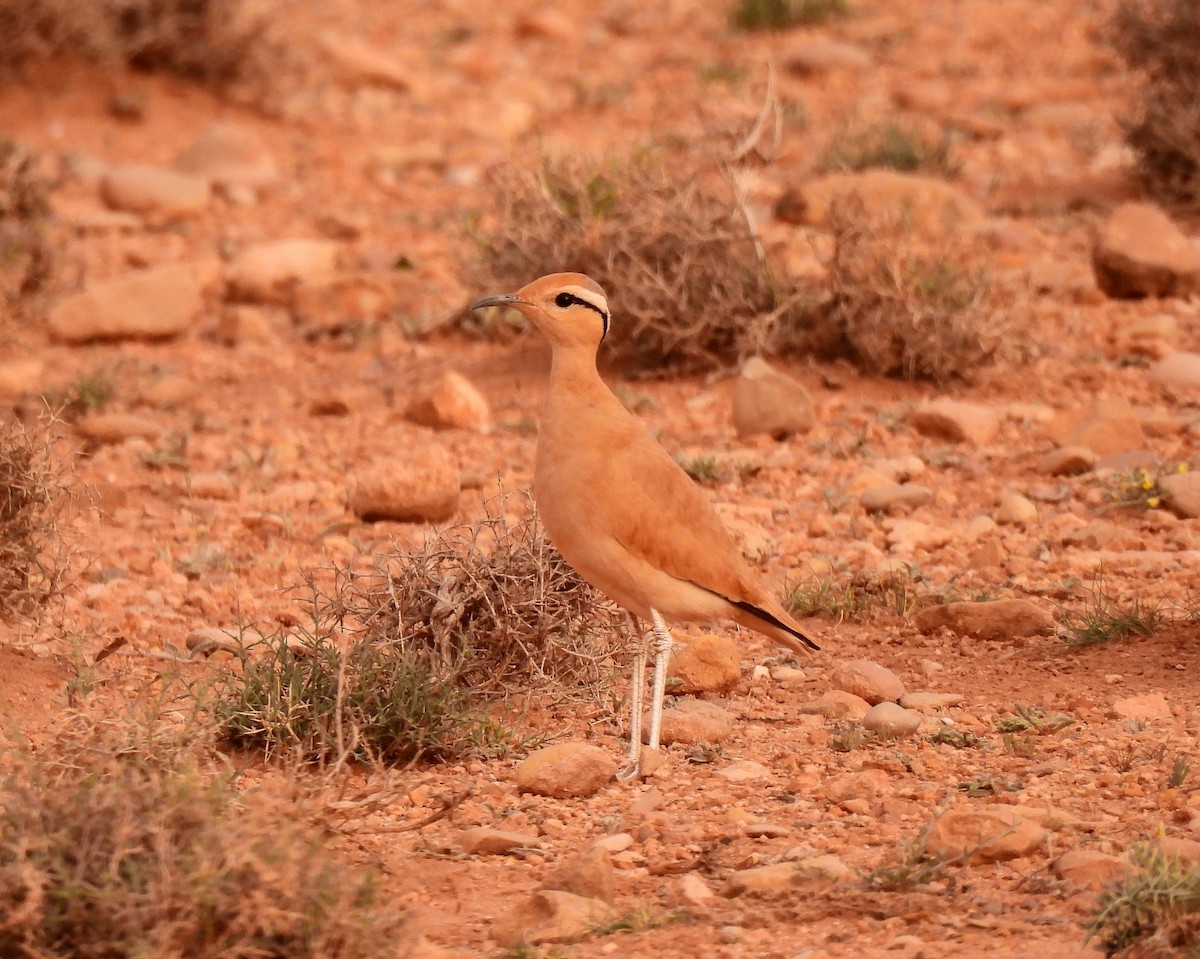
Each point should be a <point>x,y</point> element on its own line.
<point>1153,502</point>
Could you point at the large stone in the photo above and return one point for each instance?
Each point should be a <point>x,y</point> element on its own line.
<point>705,664</point>
<point>858,792</point>
<point>589,874</point>
<point>767,401</point>
<point>21,376</point>
<point>563,770</point>
<point>147,190</point>
<point>421,486</point>
<point>891,721</point>
<point>1140,252</point>
<point>1090,869</point>
<point>994,834</point>
<point>453,404</point>
<point>362,64</point>
<point>148,304</point>
<point>929,206</point>
<point>836,704</point>
<point>693,721</point>
<point>956,421</point>
<point>896,498</point>
<point>267,272</point>
<point>1178,371</point>
<point>118,427</point>
<point>784,878</point>
<point>551,915</point>
<point>868,680</point>
<point>1067,461</point>
<point>230,156</point>
<point>1181,493</point>
<point>998,619</point>
<point>1108,426</point>
<point>1149,707</point>
<point>483,841</point>
<point>1015,510</point>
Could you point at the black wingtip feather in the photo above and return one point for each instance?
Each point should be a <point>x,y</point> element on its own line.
<point>775,621</point>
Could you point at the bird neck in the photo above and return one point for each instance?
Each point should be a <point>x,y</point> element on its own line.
<point>573,373</point>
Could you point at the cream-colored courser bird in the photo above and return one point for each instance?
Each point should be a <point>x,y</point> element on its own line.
<point>617,506</point>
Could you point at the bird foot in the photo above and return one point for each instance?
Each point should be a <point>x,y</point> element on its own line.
<point>650,761</point>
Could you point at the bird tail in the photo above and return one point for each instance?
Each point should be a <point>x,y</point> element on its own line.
<point>774,623</point>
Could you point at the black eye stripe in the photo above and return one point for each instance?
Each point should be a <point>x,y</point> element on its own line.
<point>563,300</point>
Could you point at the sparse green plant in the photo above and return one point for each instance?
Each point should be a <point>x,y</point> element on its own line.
<point>784,14</point>
<point>703,753</point>
<point>107,849</point>
<point>987,785</point>
<point>1033,719</point>
<point>27,250</point>
<point>900,310</point>
<point>493,601</point>
<point>703,469</point>
<point>1159,899</point>
<point>172,454</point>
<point>304,697</point>
<point>890,146</point>
<point>32,495</point>
<point>688,279</point>
<point>1138,488</point>
<point>914,868</point>
<point>639,920</point>
<point>847,737</point>
<point>1020,744</point>
<point>1180,770</point>
<point>858,600</point>
<point>951,736</point>
<point>1104,619</point>
<point>1157,41</point>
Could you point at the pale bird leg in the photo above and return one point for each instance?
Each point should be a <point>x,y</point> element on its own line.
<point>662,649</point>
<point>636,696</point>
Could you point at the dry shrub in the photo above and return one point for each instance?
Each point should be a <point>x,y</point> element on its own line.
<point>687,280</point>
<point>1160,39</point>
<point>31,497</point>
<point>26,252</point>
<point>215,41</point>
<point>108,853</point>
<point>900,310</point>
<point>495,602</point>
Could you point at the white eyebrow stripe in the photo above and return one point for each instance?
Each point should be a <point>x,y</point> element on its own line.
<point>589,297</point>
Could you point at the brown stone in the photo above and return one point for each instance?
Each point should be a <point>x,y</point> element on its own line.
<point>705,664</point>
<point>1141,252</point>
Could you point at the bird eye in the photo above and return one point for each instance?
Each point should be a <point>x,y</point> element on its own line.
<point>564,300</point>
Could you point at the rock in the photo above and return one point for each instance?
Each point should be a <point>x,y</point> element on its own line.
<point>868,680</point>
<point>617,842</point>
<point>999,619</point>
<point>908,535</point>
<point>1178,370</point>
<point>1067,461</point>
<point>563,770</point>
<point>929,702</point>
<point>900,497</point>
<point>836,704</point>
<point>329,304</point>
<point>482,841</point>
<point>693,721</point>
<point>545,25</point>
<point>147,190</point>
<point>453,404</point>
<point>1181,493</point>
<point>955,421</point>
<point>767,401</point>
<point>588,874</point>
<point>21,376</point>
<point>824,55</point>
<point>148,304</point>
<point>891,721</point>
<point>214,485</point>
<point>1187,851</point>
<point>994,834</point>
<point>1146,708</point>
<point>241,323</point>
<point>230,155</point>
<point>422,486</point>
<point>362,64</point>
<point>859,792</point>
<point>550,915</point>
<point>988,555</point>
<point>1090,869</point>
<point>208,640</point>
<point>267,272</point>
<point>705,664</point>
<point>117,427</point>
<point>691,890</point>
<point>1141,252</point>
<point>929,205</point>
<point>743,771</point>
<point>784,878</point>
<point>1015,510</point>
<point>1108,427</point>
<point>1154,336</point>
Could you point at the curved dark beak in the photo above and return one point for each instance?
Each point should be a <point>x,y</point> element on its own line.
<point>504,299</point>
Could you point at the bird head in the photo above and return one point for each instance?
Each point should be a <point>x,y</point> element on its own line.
<point>569,308</point>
